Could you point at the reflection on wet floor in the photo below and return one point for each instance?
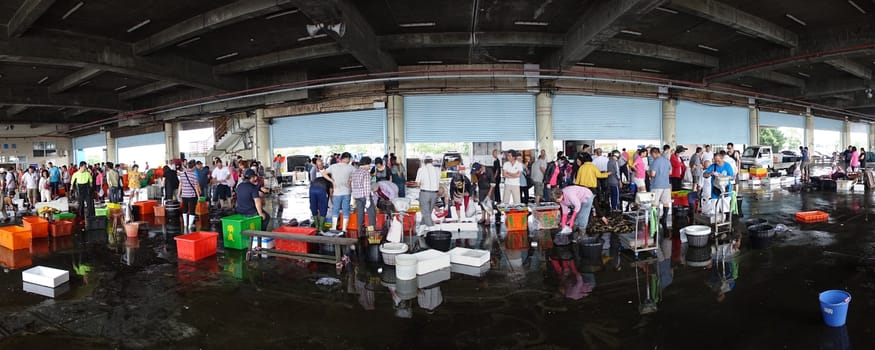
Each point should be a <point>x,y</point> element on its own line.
<point>134,292</point>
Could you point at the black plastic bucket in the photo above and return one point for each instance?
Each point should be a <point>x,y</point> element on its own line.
<point>761,231</point>
<point>760,243</point>
<point>591,249</point>
<point>439,240</point>
<point>754,221</point>
<point>698,254</point>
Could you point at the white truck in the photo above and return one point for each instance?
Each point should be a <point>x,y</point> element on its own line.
<point>761,156</point>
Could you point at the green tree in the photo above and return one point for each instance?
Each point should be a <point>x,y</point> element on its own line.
<point>772,137</point>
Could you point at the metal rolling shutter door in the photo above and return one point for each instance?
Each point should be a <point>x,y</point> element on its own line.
<point>705,124</point>
<point>469,118</point>
<point>347,128</point>
<point>606,118</point>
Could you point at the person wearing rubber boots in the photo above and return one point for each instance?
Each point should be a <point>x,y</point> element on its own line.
<point>83,183</point>
<point>576,203</point>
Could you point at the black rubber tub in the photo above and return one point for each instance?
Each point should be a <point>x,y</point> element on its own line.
<point>591,249</point>
<point>698,254</point>
<point>761,231</point>
<point>754,221</point>
<point>760,243</point>
<point>439,240</point>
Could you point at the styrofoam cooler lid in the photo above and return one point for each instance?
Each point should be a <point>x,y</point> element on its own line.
<point>393,248</point>
<point>405,260</point>
<point>697,230</point>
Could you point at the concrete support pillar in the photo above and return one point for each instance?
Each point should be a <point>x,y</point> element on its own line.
<point>171,141</point>
<point>871,133</point>
<point>111,154</point>
<point>669,122</point>
<point>544,123</point>
<point>262,149</point>
<point>395,138</point>
<point>846,134</point>
<point>754,119</point>
<point>809,131</point>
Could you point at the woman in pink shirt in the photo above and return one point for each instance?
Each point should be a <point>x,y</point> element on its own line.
<point>640,170</point>
<point>855,159</point>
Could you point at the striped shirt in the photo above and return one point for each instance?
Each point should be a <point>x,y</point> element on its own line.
<point>187,182</point>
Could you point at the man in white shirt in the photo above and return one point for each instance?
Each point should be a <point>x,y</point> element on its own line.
<point>223,181</point>
<point>600,160</point>
<point>512,170</point>
<point>538,170</point>
<point>707,155</point>
<point>340,175</point>
<point>428,179</point>
<point>30,182</point>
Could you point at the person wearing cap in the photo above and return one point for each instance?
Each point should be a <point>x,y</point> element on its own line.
<point>428,179</point>
<point>339,174</point>
<point>188,193</point>
<point>512,170</point>
<point>678,169</point>
<point>249,202</point>
<point>82,182</point>
<point>361,194</point>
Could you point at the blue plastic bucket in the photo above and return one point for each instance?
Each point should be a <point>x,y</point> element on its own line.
<point>834,306</point>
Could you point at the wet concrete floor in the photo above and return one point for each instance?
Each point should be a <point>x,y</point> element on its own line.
<point>137,294</point>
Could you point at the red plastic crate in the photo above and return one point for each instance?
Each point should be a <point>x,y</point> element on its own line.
<point>811,216</point>
<point>196,245</point>
<point>293,246</point>
<point>147,207</point>
<point>39,227</point>
<point>61,228</point>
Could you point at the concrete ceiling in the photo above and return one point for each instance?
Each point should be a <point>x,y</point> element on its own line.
<point>77,61</point>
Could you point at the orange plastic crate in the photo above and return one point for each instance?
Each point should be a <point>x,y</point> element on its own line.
<point>202,208</point>
<point>293,246</point>
<point>548,218</point>
<point>811,216</point>
<point>15,259</point>
<point>15,237</point>
<point>196,245</point>
<point>159,211</point>
<point>61,228</point>
<point>517,220</point>
<point>39,227</point>
<point>517,240</point>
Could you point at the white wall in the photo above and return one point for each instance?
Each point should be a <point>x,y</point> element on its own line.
<point>24,148</point>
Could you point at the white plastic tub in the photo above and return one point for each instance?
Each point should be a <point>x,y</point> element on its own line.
<point>470,257</point>
<point>405,266</point>
<point>406,289</point>
<point>45,291</point>
<point>390,250</point>
<point>45,276</point>
<point>431,260</point>
<point>473,271</point>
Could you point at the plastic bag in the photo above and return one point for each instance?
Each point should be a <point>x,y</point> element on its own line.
<point>396,229</point>
<point>780,228</point>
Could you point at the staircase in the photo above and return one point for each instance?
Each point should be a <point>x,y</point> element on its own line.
<point>232,135</point>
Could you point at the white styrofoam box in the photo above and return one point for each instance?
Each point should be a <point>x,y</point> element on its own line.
<point>470,270</point>
<point>45,276</point>
<point>433,278</point>
<point>431,260</point>
<point>844,185</point>
<point>756,181</point>
<point>45,291</point>
<point>266,242</point>
<point>743,176</point>
<point>859,188</point>
<point>470,257</point>
<point>458,226</point>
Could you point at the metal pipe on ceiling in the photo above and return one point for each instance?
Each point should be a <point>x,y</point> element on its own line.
<point>467,74</point>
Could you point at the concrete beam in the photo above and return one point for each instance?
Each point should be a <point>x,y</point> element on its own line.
<point>724,14</point>
<point>358,38</point>
<point>817,48</point>
<point>779,78</point>
<point>826,89</point>
<point>279,58</point>
<point>64,49</point>
<point>851,67</point>
<point>462,39</point>
<point>73,80</point>
<point>41,97</point>
<point>35,116</point>
<point>660,52</point>
<point>28,13</point>
<point>13,110</point>
<point>146,90</point>
<point>208,21</point>
<point>599,24</point>
<point>230,106</point>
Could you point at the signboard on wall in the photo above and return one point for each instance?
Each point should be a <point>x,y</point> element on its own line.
<point>483,151</point>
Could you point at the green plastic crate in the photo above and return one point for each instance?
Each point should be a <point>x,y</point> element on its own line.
<point>234,225</point>
<point>235,264</point>
<point>202,199</point>
<point>101,212</point>
<point>62,216</point>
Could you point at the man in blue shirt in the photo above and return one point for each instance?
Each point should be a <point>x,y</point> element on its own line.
<point>660,169</point>
<point>54,179</point>
<point>719,168</point>
<point>249,201</point>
